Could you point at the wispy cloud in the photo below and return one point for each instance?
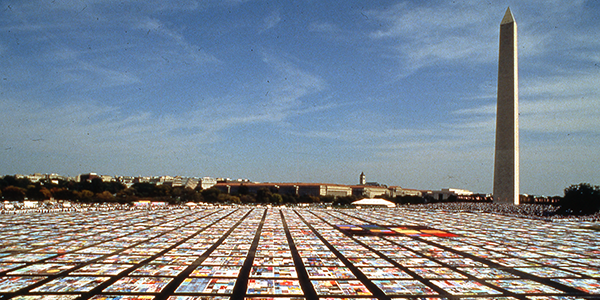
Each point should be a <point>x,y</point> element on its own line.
<point>183,52</point>
<point>573,83</point>
<point>551,104</point>
<point>324,27</point>
<point>575,115</point>
<point>97,49</point>
<point>76,126</point>
<point>429,35</point>
<point>271,20</point>
<point>357,136</point>
<point>477,110</point>
<point>464,32</point>
<point>75,69</point>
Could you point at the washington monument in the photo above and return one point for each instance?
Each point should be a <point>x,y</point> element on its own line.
<point>506,164</point>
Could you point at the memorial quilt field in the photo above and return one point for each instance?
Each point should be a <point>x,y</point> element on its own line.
<point>246,252</point>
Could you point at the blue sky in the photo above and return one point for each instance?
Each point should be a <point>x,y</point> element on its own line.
<point>286,91</point>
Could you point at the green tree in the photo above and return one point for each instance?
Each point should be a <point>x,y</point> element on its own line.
<point>309,199</point>
<point>61,193</point>
<point>580,199</point>
<point>327,199</point>
<point>452,198</point>
<point>20,182</point>
<point>211,195</point>
<point>409,200</point>
<point>97,185</point>
<point>247,199</point>
<point>344,201</point>
<point>143,189</point>
<point>243,189</point>
<point>226,198</point>
<point>3,183</point>
<point>275,199</point>
<point>126,196</point>
<point>113,187</point>
<point>292,199</point>
<point>190,195</point>
<point>263,195</point>
<point>161,191</point>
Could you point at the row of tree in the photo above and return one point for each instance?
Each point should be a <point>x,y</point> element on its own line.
<point>95,190</point>
<point>579,199</point>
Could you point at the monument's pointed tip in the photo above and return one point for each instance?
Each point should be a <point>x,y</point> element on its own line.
<point>508,17</point>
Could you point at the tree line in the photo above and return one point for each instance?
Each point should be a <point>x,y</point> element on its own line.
<point>95,190</point>
<point>579,199</point>
<point>98,191</point>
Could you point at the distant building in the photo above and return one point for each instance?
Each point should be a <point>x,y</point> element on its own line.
<point>87,177</point>
<point>531,199</point>
<point>128,181</point>
<point>176,181</point>
<point>207,182</point>
<point>397,191</point>
<point>143,179</point>
<point>37,177</point>
<point>370,191</point>
<point>166,179</point>
<point>362,179</point>
<point>446,193</point>
<point>191,183</point>
<point>91,176</point>
<point>337,190</point>
<point>300,189</point>
<point>107,178</point>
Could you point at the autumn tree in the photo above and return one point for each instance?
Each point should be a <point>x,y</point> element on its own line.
<point>61,193</point>
<point>85,196</point>
<point>14,193</point>
<point>38,193</point>
<point>126,196</point>
<point>226,198</point>
<point>103,197</point>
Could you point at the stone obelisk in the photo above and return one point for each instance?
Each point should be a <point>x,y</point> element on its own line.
<point>506,164</point>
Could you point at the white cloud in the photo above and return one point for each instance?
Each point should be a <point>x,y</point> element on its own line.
<point>324,27</point>
<point>181,50</point>
<point>566,102</point>
<point>477,110</point>
<point>429,35</point>
<point>90,127</point>
<point>288,86</point>
<point>566,115</point>
<point>466,32</point>
<point>365,136</point>
<point>572,83</point>
<point>272,20</point>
